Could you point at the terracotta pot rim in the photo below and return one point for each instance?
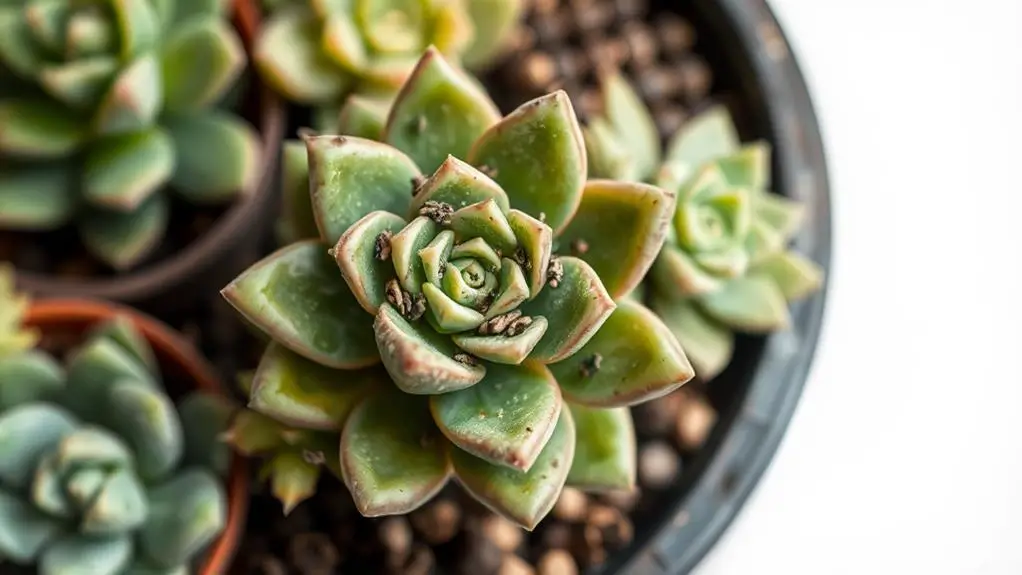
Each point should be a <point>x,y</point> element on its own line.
<point>81,314</point>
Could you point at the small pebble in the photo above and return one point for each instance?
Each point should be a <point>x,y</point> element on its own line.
<point>571,505</point>
<point>420,561</point>
<point>676,36</point>
<point>642,46</point>
<point>313,554</point>
<point>298,521</point>
<point>695,78</point>
<point>614,528</point>
<point>515,565</point>
<point>265,564</point>
<point>505,534</point>
<point>656,418</point>
<point>556,562</point>
<point>556,536</point>
<point>396,536</point>
<point>477,555</point>
<point>658,464</point>
<point>696,419</point>
<point>437,522</point>
<point>622,499</point>
<point>537,70</point>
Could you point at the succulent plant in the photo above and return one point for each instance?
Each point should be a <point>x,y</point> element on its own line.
<point>14,336</point>
<point>316,52</point>
<point>725,266</point>
<point>103,106</point>
<point>96,475</point>
<point>444,253</point>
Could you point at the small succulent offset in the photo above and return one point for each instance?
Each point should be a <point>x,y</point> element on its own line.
<point>725,266</point>
<point>103,105</point>
<point>99,472</point>
<point>316,52</point>
<point>468,254</point>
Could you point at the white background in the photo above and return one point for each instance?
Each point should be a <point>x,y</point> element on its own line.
<point>905,454</point>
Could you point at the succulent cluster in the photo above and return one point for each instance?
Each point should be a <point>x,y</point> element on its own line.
<point>316,52</point>
<point>100,473</point>
<point>103,106</point>
<point>725,266</point>
<point>469,256</point>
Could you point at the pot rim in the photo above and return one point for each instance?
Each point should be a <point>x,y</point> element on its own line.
<point>81,314</point>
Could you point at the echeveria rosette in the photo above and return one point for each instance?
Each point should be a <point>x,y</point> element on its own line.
<point>103,106</point>
<point>442,251</point>
<point>100,472</point>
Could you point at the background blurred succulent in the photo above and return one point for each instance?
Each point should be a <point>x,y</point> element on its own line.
<point>506,361</point>
<point>725,265</point>
<point>14,336</point>
<point>105,103</point>
<point>316,52</point>
<point>99,472</point>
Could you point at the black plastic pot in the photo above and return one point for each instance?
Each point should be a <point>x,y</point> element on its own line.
<point>758,392</point>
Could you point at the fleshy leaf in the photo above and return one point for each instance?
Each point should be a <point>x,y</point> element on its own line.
<point>440,111</point>
<point>27,432</point>
<point>632,359</point>
<point>217,157</point>
<point>535,238</point>
<point>342,41</point>
<point>297,297</point>
<point>393,459</point>
<point>355,254</point>
<point>632,123</point>
<point>186,514</point>
<point>404,252</point>
<point>134,99</point>
<point>212,44</point>
<point>707,344</point>
<point>675,272</point>
<point>121,329</point>
<point>297,221</point>
<point>749,304</point>
<point>459,185</point>
<point>149,422</point>
<point>506,418</point>
<point>292,478</point>
<point>708,136</point>
<point>796,276</point>
<point>92,446</point>
<point>39,129</point>
<point>24,530</point>
<point>749,167</point>
<point>537,155</point>
<point>363,117</point>
<point>300,392</point>
<point>48,492</point>
<point>493,22</point>
<point>484,220</point>
<point>351,177</point>
<point>420,360</point>
<point>514,289</point>
<point>123,239</point>
<point>253,433</point>
<point>92,372</point>
<point>434,256</point>
<point>781,214</point>
<point>80,554</point>
<point>622,226</point>
<point>522,496</point>
<point>607,153</point>
<point>479,250</point>
<point>37,198</point>
<point>119,506</point>
<point>288,57</point>
<point>575,309</point>
<point>204,418</point>
<point>456,284</point>
<point>447,315</point>
<point>138,26</point>
<point>503,348</point>
<point>122,171</point>
<point>604,449</point>
<point>28,377</point>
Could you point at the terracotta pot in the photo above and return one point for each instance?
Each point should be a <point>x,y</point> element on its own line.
<point>219,254</point>
<point>176,356</point>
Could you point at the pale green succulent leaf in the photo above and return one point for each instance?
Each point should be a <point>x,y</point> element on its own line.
<point>18,49</point>
<point>633,124</point>
<point>37,198</point>
<point>216,47</point>
<point>289,58</point>
<point>292,478</point>
<point>535,239</point>
<point>24,530</point>
<point>707,137</point>
<point>355,255</point>
<point>363,117</point>
<point>138,26</point>
<point>149,422</point>
<point>675,272</point>
<point>608,155</point>
<point>123,239</point>
<point>124,170</point>
<point>121,329</point>
<point>478,249</point>
<point>297,297</point>
<point>484,220</point>
<point>575,310</point>
<point>505,349</point>
<point>93,370</point>
<point>186,514</point>
<point>493,21</point>
<point>622,226</point>
<point>205,418</point>
<point>48,492</point>
<point>342,42</point>
<point>29,377</point>
<point>445,314</point>
<point>632,359</point>
<point>434,257</point>
<point>605,456</point>
<point>252,433</point>
<point>79,83</point>
<point>708,344</point>
<point>351,177</point>
<point>506,418</point>
<point>297,220</point>
<point>90,33</point>
<point>440,111</point>
<point>39,129</point>
<point>217,157</point>
<point>184,10</point>
<point>537,155</point>
<point>82,554</point>
<point>120,506</point>
<point>393,459</point>
<point>460,285</point>
<point>459,185</point>
<point>92,446</point>
<point>749,167</point>
<point>795,275</point>
<point>524,497</point>
<point>781,214</point>
<point>514,290</point>
<point>82,485</point>
<point>28,432</point>
<point>749,304</point>
<point>420,360</point>
<point>134,99</point>
<point>299,392</point>
<point>405,246</point>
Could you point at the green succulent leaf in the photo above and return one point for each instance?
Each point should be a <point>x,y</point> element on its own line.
<point>120,506</point>
<point>124,170</point>
<point>632,123</point>
<point>24,530</point>
<point>27,432</point>
<point>506,418</point>
<point>537,155</point>
<point>40,197</point>
<point>300,392</point>
<point>82,554</point>
<point>134,99</point>
<point>434,257</point>
<point>750,304</point>
<point>39,129</point>
<point>138,26</point>
<point>18,49</point>
<point>29,377</point>
<point>484,220</point>
<point>674,271</point>
<point>575,310</point>
<point>535,239</point>
<point>623,226</point>
<point>277,294</point>
<point>440,111</point>
<point>204,419</point>
<point>92,446</point>
<point>393,459</point>
<point>608,155</point>
<point>505,349</point>
<point>217,157</point>
<point>123,239</point>
<point>350,178</point>
<point>122,331</point>
<point>525,497</point>
<point>705,138</point>
<point>78,83</point>
<point>405,246</point>
<point>184,10</point>
<point>363,117</point>
<point>186,514</point>
<point>479,250</point>
<point>420,360</point>
<point>444,313</point>
<point>292,478</point>
<point>288,56</point>
<point>493,22</point>
<point>297,220</point>
<point>252,433</point>
<point>460,185</point>
<point>148,420</point>
<point>632,359</point>
<point>796,276</point>
<point>708,344</point>
<point>48,491</point>
<point>355,254</point>
<point>82,485</point>
<point>92,372</point>
<point>782,215</point>
<point>604,449</point>
<point>514,289</point>
<point>749,167</point>
<point>214,44</point>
